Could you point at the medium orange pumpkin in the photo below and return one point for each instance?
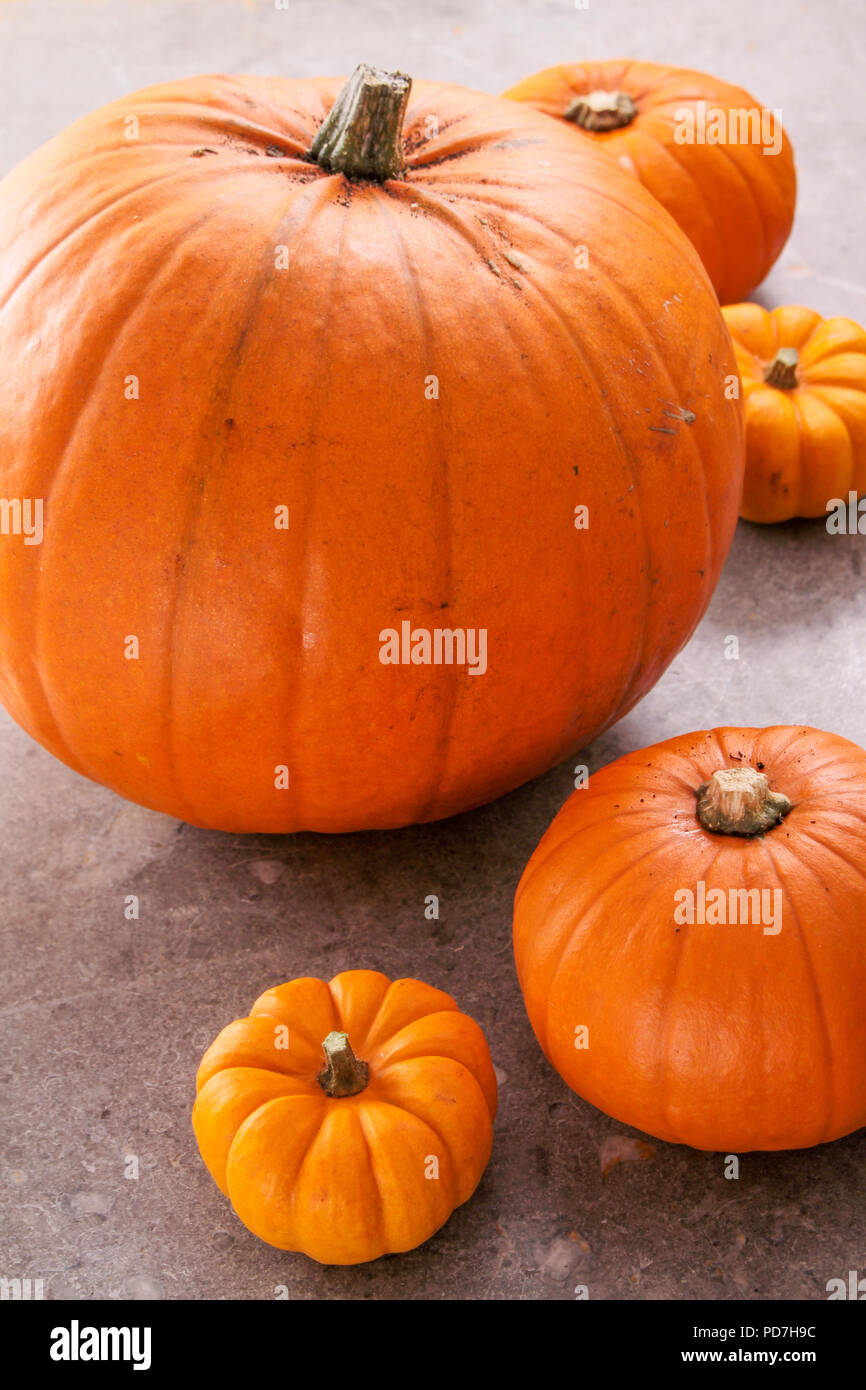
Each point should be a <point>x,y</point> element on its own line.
<point>728,1023</point>
<point>734,202</point>
<point>312,430</point>
<point>804,385</point>
<point>367,1154</point>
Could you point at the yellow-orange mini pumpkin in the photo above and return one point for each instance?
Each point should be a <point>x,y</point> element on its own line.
<point>726,1022</point>
<point>734,197</point>
<point>804,383</point>
<point>347,1120</point>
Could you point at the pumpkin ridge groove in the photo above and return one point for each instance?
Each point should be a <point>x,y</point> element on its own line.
<point>556,232</point>
<point>595,189</point>
<point>385,1067</point>
<point>699,195</point>
<point>692,444</point>
<point>374,1177</point>
<point>820,1012</point>
<point>111,206</point>
<point>449,218</point>
<point>818,393</point>
<point>666,1025</point>
<point>208,459</point>
<point>569,839</point>
<point>439,756</point>
<point>598,894</point>
<point>832,849</point>
<point>332,183</point>
<point>404,1108</point>
<point>630,472</point>
<point>389,1038</point>
<point>765,261</point>
<point>790,397</point>
<point>121,324</point>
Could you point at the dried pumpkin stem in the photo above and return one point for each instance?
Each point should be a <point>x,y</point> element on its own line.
<point>782,371</point>
<point>344,1075</point>
<point>598,111</point>
<point>738,801</point>
<point>361,136</point>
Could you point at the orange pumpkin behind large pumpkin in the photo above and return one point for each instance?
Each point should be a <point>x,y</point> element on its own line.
<point>278,408</point>
<point>718,161</point>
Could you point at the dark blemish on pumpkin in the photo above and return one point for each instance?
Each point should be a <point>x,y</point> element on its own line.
<point>662,429</point>
<point>248,149</point>
<point>576,470</point>
<point>444,605</point>
<point>196,154</point>
<point>117,753</point>
<point>229,424</point>
<point>274,152</point>
<point>688,417</point>
<point>759,766</point>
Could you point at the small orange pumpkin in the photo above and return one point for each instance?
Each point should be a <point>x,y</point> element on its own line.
<point>804,383</point>
<point>728,1023</point>
<point>734,201</point>
<point>366,1155</point>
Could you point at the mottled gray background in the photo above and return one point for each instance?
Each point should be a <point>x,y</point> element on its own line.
<point>103,1020</point>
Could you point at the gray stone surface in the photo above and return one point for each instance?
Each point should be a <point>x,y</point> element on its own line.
<point>103,1020</point>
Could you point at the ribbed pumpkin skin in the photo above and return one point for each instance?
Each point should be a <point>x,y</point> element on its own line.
<point>717,1036</point>
<point>735,203</point>
<point>344,1180</point>
<point>807,445</point>
<point>307,387</point>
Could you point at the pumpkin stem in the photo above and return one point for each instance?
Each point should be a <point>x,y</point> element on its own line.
<point>361,135</point>
<point>782,371</point>
<point>344,1075</point>
<point>738,801</point>
<point>599,111</point>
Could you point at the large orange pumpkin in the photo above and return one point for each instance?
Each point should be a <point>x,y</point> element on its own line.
<point>360,1152</point>
<point>700,911</point>
<point>734,197</point>
<point>804,386</point>
<point>311,430</point>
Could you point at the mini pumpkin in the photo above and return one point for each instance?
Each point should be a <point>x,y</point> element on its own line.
<point>383,440</point>
<point>734,198</point>
<point>690,937</point>
<point>804,385</point>
<point>347,1120</point>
